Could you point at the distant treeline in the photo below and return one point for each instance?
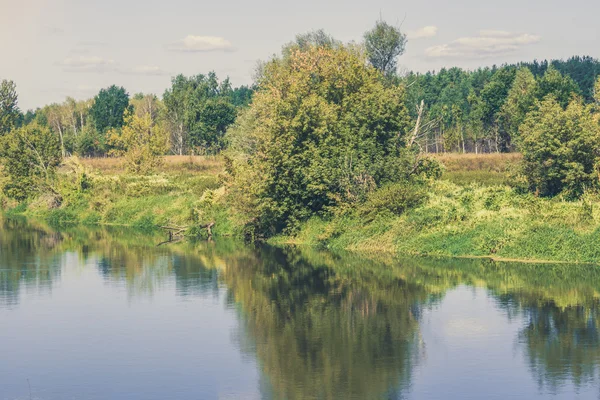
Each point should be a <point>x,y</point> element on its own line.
<point>327,126</point>
<point>481,110</point>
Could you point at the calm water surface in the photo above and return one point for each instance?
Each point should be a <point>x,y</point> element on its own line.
<point>104,314</point>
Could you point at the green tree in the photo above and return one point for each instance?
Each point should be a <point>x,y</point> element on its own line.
<point>493,96</point>
<point>561,148</point>
<point>384,44</point>
<point>322,130</point>
<point>141,141</point>
<point>109,108</point>
<point>9,109</point>
<point>519,102</point>
<point>561,87</point>
<point>30,156</point>
<point>199,110</point>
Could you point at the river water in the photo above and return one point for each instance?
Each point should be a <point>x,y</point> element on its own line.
<point>105,314</point>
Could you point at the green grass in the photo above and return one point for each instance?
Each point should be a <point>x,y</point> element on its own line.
<point>468,213</point>
<point>180,194</point>
<point>471,221</point>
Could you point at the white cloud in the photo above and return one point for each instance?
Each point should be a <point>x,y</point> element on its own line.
<point>94,64</point>
<point>202,44</point>
<point>422,33</point>
<point>87,64</point>
<point>487,44</point>
<point>151,70</point>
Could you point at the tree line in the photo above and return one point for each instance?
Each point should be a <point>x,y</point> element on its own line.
<point>482,110</point>
<point>327,127</point>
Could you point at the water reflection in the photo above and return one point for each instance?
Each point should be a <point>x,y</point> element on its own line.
<point>323,325</point>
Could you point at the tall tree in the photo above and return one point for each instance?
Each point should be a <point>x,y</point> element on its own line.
<point>561,148</point>
<point>30,156</point>
<point>9,109</point>
<point>384,44</point>
<point>141,141</point>
<point>520,101</point>
<point>109,108</point>
<point>199,110</point>
<point>317,38</point>
<point>561,87</point>
<point>322,129</point>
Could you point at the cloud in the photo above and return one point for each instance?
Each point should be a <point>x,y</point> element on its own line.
<point>198,44</point>
<point>87,64</point>
<point>96,64</point>
<point>150,70</point>
<point>422,33</point>
<point>487,44</point>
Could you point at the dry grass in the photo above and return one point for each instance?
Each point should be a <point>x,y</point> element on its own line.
<point>485,169</point>
<point>494,162</point>
<point>211,165</point>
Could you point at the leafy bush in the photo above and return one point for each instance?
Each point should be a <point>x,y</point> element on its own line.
<point>30,156</point>
<point>323,130</point>
<point>561,148</point>
<point>394,198</point>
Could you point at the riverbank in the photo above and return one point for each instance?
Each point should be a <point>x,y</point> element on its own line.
<point>185,191</point>
<point>464,214</point>
<point>469,221</point>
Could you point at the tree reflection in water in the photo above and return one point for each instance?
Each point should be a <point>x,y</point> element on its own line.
<point>325,325</point>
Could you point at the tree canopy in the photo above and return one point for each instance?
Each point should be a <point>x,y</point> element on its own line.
<point>109,108</point>
<point>384,44</point>
<point>9,109</point>
<point>322,129</point>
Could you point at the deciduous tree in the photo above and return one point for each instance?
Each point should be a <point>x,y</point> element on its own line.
<point>30,156</point>
<point>384,44</point>
<point>141,141</point>
<point>561,148</point>
<point>109,108</point>
<point>9,109</point>
<point>322,130</point>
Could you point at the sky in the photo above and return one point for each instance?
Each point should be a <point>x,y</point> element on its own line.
<point>58,48</point>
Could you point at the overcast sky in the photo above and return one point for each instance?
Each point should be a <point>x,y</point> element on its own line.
<point>58,48</point>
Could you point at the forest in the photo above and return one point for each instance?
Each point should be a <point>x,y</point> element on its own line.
<point>328,130</point>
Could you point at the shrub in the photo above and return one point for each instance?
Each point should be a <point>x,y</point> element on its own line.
<point>394,198</point>
<point>30,156</point>
<point>323,130</point>
<point>561,148</point>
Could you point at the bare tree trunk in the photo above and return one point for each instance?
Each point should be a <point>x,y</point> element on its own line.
<point>62,143</point>
<point>418,124</point>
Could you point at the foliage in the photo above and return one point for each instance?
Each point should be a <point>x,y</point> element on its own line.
<point>583,70</point>
<point>141,141</point>
<point>109,108</point>
<point>481,110</point>
<point>520,101</point>
<point>561,148</point>
<point>30,156</point>
<point>563,88</point>
<point>394,198</point>
<point>304,41</point>
<point>199,110</point>
<point>322,130</point>
<point>384,43</point>
<point>9,109</point>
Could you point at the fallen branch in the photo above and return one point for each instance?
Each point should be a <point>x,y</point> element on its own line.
<point>177,233</point>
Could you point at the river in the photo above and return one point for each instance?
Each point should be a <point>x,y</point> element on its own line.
<point>106,314</point>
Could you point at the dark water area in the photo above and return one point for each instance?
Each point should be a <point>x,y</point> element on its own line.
<point>105,314</point>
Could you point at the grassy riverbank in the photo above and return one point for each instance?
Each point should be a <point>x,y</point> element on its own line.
<point>468,213</point>
<point>185,191</point>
